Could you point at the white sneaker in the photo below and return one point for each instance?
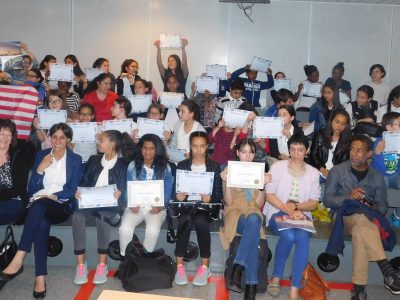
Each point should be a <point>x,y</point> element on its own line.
<point>81,274</point>
<point>101,274</point>
<point>202,275</point>
<point>180,276</point>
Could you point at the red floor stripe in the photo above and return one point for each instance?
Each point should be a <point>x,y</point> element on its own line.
<point>221,292</point>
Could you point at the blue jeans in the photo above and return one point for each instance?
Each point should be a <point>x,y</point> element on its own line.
<point>42,213</point>
<point>10,211</point>
<point>286,240</point>
<point>247,254</point>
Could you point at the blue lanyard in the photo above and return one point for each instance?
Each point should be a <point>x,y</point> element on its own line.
<point>248,195</point>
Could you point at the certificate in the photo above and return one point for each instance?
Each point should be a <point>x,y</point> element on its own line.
<point>282,84</point>
<point>97,196</point>
<point>210,84</point>
<point>84,132</point>
<point>171,100</point>
<point>61,72</point>
<point>194,183</point>
<point>120,125</point>
<point>392,142</point>
<point>92,73</point>
<point>218,71</point>
<point>170,41</point>
<point>48,118</point>
<point>151,126</point>
<point>245,174</point>
<point>149,193</point>
<point>235,118</point>
<point>176,155</point>
<point>140,103</point>
<point>267,127</point>
<point>260,64</point>
<point>312,89</point>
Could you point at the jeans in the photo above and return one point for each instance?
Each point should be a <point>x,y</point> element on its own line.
<point>41,214</point>
<point>10,211</point>
<point>393,182</point>
<point>201,223</point>
<point>247,254</point>
<point>287,238</point>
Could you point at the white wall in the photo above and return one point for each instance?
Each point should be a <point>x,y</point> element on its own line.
<point>290,33</point>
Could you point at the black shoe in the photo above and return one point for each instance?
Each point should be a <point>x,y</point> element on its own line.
<point>250,292</point>
<point>235,281</point>
<point>358,294</point>
<point>392,283</point>
<point>39,295</point>
<point>154,254</point>
<point>8,277</point>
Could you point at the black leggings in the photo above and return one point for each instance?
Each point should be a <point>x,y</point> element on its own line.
<point>201,223</point>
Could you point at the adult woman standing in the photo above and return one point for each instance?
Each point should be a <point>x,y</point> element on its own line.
<point>293,191</point>
<point>52,186</point>
<point>13,175</point>
<point>99,94</point>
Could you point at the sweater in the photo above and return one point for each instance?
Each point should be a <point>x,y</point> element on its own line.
<point>253,88</point>
<point>222,150</point>
<point>102,108</point>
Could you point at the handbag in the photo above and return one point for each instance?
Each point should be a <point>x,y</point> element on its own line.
<point>314,286</point>
<point>8,248</point>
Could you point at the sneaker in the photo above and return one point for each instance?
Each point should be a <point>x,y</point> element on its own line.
<point>358,294</point>
<point>392,283</point>
<point>395,221</point>
<point>202,275</point>
<point>101,274</point>
<point>81,274</point>
<point>180,276</point>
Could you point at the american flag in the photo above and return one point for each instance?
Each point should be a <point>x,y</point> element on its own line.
<point>18,103</point>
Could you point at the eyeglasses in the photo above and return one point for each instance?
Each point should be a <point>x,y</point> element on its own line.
<point>55,101</point>
<point>154,114</point>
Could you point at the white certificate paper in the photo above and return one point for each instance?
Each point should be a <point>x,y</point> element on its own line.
<point>210,84</point>
<point>146,126</point>
<point>83,132</point>
<point>48,118</point>
<point>176,155</point>
<point>392,142</point>
<point>194,183</point>
<point>170,41</point>
<point>235,118</point>
<point>61,72</point>
<point>140,103</point>
<point>216,70</point>
<point>267,127</point>
<point>312,89</point>
<point>97,196</point>
<point>171,100</point>
<point>92,73</point>
<point>343,98</point>
<point>282,84</point>
<point>120,125</point>
<point>260,64</point>
<point>245,174</point>
<point>149,193</point>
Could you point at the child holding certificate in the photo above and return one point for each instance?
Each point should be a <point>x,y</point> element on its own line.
<point>200,220</point>
<point>55,100</point>
<point>388,163</point>
<point>175,66</point>
<point>305,98</point>
<point>127,78</point>
<point>100,170</point>
<point>252,86</point>
<point>151,163</point>
<point>189,115</point>
<point>243,216</point>
<point>278,147</point>
<point>293,192</point>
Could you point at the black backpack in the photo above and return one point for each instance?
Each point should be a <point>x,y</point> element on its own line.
<point>139,274</point>
<point>264,256</point>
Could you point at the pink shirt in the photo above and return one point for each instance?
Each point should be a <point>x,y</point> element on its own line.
<point>281,184</point>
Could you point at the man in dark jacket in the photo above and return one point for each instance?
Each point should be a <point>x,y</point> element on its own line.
<point>356,180</point>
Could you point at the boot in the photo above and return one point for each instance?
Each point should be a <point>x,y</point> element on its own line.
<point>235,281</point>
<point>250,292</point>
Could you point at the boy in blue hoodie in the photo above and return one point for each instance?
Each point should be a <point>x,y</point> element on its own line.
<point>253,87</point>
<point>389,163</point>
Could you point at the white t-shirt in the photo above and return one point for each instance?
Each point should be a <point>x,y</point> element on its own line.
<point>329,163</point>
<point>383,110</point>
<point>197,168</point>
<point>381,92</point>
<point>149,173</point>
